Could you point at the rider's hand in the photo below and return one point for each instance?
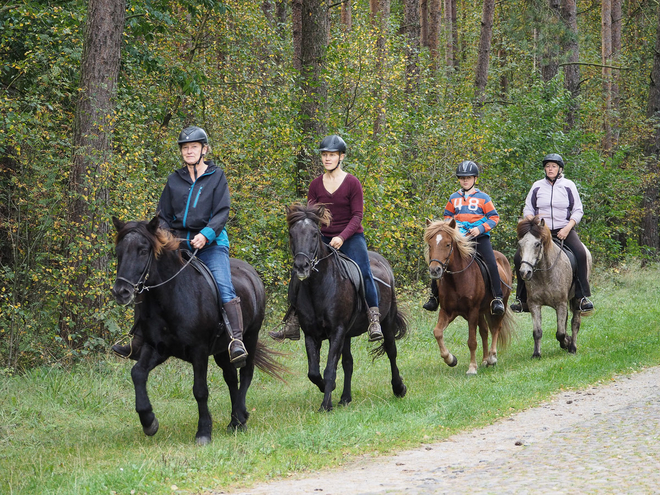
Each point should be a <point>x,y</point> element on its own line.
<point>199,241</point>
<point>474,231</point>
<point>336,242</point>
<point>563,233</point>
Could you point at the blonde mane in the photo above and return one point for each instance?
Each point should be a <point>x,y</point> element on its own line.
<point>464,247</point>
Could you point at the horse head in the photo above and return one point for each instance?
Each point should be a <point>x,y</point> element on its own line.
<point>305,240</point>
<point>443,242</point>
<point>137,244</point>
<point>534,240</point>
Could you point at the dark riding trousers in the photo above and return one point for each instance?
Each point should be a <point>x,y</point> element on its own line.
<point>485,249</point>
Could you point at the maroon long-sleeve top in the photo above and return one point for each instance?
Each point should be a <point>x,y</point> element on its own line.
<point>346,205</point>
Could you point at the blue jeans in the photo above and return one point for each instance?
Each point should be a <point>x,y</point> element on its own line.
<point>355,247</point>
<point>216,258</point>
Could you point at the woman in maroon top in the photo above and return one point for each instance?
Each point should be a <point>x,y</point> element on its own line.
<point>342,194</point>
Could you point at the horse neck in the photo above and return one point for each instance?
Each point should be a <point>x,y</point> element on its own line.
<point>550,255</point>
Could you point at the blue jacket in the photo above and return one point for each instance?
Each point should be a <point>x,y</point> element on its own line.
<point>188,208</point>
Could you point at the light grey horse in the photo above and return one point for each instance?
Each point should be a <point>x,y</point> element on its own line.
<point>548,276</point>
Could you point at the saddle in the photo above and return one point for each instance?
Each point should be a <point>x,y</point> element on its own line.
<point>484,269</point>
<point>569,253</point>
<point>349,269</point>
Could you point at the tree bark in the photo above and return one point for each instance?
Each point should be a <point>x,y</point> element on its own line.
<point>411,31</point>
<point>424,21</point>
<point>550,59</point>
<point>313,41</point>
<point>617,17</point>
<point>296,31</point>
<point>346,15</point>
<point>92,142</point>
<point>451,36</point>
<point>606,56</point>
<point>650,201</point>
<point>481,76</point>
<point>568,10</point>
<point>380,11</point>
<point>433,32</point>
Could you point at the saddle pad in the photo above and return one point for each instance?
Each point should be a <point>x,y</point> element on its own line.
<point>199,265</point>
<point>569,253</point>
<point>349,269</point>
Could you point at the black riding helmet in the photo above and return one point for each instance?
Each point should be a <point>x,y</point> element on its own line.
<point>467,169</point>
<point>193,134</point>
<point>333,143</point>
<point>553,157</point>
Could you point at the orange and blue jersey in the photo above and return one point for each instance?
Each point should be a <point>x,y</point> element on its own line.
<point>475,210</point>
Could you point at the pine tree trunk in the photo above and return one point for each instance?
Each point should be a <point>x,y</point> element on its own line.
<point>411,30</point>
<point>550,60</point>
<point>424,22</point>
<point>617,18</point>
<point>606,57</point>
<point>313,44</point>
<point>346,15</point>
<point>92,141</point>
<point>571,69</point>
<point>380,11</point>
<point>649,236</point>
<point>433,32</point>
<point>481,73</point>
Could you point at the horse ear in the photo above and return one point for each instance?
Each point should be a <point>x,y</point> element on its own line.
<point>153,225</point>
<point>542,224</point>
<point>428,222</point>
<point>452,223</point>
<point>118,223</point>
<point>287,208</point>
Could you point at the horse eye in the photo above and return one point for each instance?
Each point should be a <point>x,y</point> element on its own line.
<point>144,252</point>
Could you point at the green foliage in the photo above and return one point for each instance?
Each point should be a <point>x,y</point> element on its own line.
<point>225,66</point>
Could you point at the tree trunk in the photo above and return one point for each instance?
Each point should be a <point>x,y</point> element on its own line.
<point>296,31</point>
<point>433,32</point>
<point>313,44</point>
<point>380,11</point>
<point>481,76</point>
<point>606,57</point>
<point>411,31</point>
<point>649,235</point>
<point>571,70</point>
<point>92,142</point>
<point>451,36</point>
<point>550,58</point>
<point>424,21</point>
<point>617,16</point>
<point>346,15</point>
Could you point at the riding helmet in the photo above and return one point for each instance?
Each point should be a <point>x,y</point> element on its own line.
<point>193,134</point>
<point>553,157</point>
<point>467,169</point>
<point>333,143</point>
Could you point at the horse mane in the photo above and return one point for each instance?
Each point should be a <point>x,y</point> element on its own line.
<point>317,212</point>
<point>533,226</point>
<point>464,247</point>
<point>161,241</point>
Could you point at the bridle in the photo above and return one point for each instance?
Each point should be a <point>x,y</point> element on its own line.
<point>140,286</point>
<point>533,265</point>
<point>445,265</point>
<point>315,259</point>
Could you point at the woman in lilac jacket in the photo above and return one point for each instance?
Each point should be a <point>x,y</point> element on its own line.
<point>556,200</point>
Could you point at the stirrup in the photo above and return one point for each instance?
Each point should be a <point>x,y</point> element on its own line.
<point>124,351</point>
<point>239,360</point>
<point>497,299</point>
<point>585,305</point>
<point>432,304</point>
<point>517,306</point>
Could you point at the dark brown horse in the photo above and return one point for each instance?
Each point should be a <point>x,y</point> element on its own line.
<point>329,306</point>
<point>462,292</point>
<point>180,317</point>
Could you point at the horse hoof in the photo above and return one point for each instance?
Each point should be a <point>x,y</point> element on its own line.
<point>454,362</point>
<point>236,427</point>
<point>151,430</point>
<point>471,372</point>
<point>402,394</point>
<point>572,349</point>
<point>536,355</point>
<point>345,402</point>
<point>203,440</point>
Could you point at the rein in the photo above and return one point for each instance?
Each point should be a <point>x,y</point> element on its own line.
<point>315,261</point>
<point>140,286</point>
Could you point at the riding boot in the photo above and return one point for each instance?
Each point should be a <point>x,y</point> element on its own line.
<point>375,332</point>
<point>497,307</point>
<point>130,350</point>
<point>433,303</point>
<point>290,330</point>
<point>237,352</point>
<point>520,304</point>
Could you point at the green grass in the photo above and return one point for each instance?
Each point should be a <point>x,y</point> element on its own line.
<point>76,431</point>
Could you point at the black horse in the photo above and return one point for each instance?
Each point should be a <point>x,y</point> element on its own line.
<point>180,317</point>
<point>329,306</point>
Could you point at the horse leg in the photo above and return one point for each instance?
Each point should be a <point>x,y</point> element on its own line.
<point>495,324</point>
<point>148,360</point>
<point>389,344</point>
<point>330,372</point>
<point>438,332</point>
<point>537,331</point>
<point>313,348</point>
<point>347,365</point>
<point>472,343</point>
<point>575,328</point>
<point>562,321</point>
<point>483,333</point>
<point>239,413</point>
<point>201,392</point>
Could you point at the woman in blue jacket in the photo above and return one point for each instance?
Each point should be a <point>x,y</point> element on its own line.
<point>194,205</point>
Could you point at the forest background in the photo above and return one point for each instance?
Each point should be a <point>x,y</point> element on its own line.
<point>94,94</point>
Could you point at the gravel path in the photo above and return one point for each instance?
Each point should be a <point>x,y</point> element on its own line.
<point>604,439</point>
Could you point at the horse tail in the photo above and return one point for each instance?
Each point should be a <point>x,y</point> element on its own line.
<point>264,359</point>
<point>506,330</point>
<point>399,326</point>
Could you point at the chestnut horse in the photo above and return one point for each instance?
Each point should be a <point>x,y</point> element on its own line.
<point>463,292</point>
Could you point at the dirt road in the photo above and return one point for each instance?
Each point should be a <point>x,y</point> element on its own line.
<point>604,439</point>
